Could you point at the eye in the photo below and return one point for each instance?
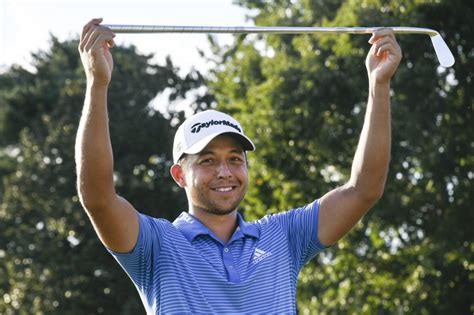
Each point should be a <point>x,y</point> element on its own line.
<point>206,161</point>
<point>237,159</point>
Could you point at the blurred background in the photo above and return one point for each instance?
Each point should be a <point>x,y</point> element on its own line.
<point>301,98</point>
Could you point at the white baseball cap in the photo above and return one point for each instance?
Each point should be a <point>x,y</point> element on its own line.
<point>198,130</point>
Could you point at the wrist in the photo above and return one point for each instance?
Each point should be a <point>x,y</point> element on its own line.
<point>374,81</point>
<point>97,90</point>
<point>380,88</point>
<point>97,85</point>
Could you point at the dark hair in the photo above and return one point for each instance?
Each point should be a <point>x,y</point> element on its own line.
<point>181,159</point>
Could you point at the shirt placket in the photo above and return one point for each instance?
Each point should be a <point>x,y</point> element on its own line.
<point>231,269</point>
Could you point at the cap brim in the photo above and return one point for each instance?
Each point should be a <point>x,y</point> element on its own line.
<point>247,144</point>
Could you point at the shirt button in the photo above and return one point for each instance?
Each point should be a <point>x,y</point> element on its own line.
<point>226,250</point>
<point>230,267</point>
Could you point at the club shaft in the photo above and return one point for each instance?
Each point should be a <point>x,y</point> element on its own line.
<point>443,53</point>
<point>261,29</point>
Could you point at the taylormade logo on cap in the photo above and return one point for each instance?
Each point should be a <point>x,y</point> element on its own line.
<point>197,127</point>
<point>198,130</point>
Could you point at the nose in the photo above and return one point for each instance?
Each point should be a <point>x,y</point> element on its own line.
<point>223,170</point>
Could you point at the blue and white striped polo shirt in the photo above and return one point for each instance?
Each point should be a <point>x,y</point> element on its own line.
<point>182,267</point>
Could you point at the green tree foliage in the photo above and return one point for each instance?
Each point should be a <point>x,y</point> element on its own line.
<point>51,261</point>
<point>302,99</point>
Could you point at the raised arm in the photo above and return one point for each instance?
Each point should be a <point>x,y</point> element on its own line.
<point>114,219</point>
<point>343,207</point>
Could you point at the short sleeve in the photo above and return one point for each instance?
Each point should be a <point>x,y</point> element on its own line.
<point>301,229</point>
<point>138,263</point>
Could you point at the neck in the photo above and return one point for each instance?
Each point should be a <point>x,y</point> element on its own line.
<point>221,225</point>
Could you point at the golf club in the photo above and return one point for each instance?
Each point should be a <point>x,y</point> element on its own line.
<point>444,55</point>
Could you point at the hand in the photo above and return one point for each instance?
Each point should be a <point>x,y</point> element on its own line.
<point>94,48</point>
<point>384,56</point>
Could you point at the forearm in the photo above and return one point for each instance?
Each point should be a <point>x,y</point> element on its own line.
<point>341,208</point>
<point>370,165</point>
<point>93,152</point>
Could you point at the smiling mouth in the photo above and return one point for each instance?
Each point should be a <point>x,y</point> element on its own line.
<point>224,189</point>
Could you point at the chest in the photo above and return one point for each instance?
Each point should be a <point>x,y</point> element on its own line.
<point>246,259</point>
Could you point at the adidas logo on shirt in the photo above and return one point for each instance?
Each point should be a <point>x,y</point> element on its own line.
<point>259,255</point>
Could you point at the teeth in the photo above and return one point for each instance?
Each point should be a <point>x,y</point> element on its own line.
<point>223,189</point>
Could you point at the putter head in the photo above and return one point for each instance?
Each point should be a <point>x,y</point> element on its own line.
<point>445,57</point>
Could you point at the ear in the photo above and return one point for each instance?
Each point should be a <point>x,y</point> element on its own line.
<point>177,173</point>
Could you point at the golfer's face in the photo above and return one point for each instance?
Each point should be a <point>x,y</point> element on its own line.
<point>216,178</point>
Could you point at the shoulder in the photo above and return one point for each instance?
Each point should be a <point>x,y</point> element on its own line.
<point>309,209</point>
<point>150,226</point>
<point>152,221</point>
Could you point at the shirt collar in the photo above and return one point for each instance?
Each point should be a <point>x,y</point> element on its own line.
<point>192,227</point>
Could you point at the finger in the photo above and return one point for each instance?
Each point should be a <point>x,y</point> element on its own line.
<point>86,41</point>
<point>87,36</point>
<point>90,38</point>
<point>372,50</point>
<point>94,34</point>
<point>89,25</point>
<point>382,32</point>
<point>102,43</point>
<point>385,31</point>
<point>383,41</point>
<point>380,50</point>
<point>98,42</point>
<point>388,51</point>
<point>91,33</point>
<point>110,43</point>
<point>387,44</point>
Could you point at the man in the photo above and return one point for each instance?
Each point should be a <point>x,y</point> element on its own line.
<point>210,260</point>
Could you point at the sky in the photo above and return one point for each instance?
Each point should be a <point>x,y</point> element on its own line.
<point>26,26</point>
